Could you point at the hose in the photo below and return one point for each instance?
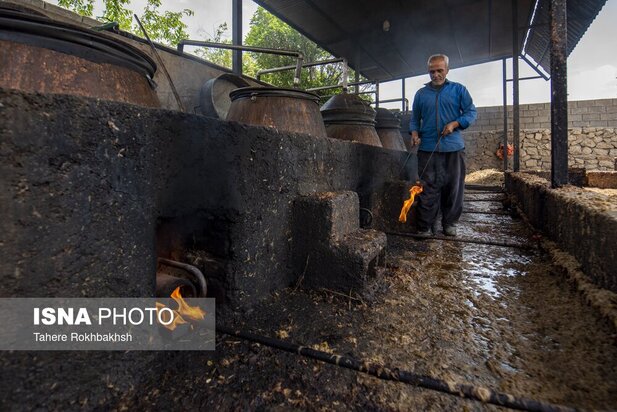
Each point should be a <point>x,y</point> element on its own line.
<point>478,393</point>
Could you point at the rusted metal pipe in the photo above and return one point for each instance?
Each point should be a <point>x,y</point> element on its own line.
<point>166,284</point>
<point>158,57</point>
<point>199,277</point>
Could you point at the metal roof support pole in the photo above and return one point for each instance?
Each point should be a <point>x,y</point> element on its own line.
<point>357,80</point>
<point>559,93</point>
<point>376,93</point>
<point>236,36</point>
<point>515,106</point>
<point>403,95</point>
<point>505,116</point>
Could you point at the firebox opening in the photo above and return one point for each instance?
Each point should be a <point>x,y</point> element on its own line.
<point>191,248</point>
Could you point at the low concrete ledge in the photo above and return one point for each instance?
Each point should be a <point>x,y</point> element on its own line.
<point>582,223</point>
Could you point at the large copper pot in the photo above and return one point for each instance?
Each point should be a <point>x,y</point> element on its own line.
<point>38,54</point>
<point>287,110</point>
<point>388,129</point>
<point>348,117</point>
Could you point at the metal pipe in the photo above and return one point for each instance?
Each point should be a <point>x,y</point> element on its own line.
<point>534,67</point>
<point>284,68</point>
<point>377,94</point>
<point>488,212</point>
<point>338,85</point>
<point>281,52</point>
<point>464,240</point>
<point>236,36</point>
<point>166,284</point>
<point>505,115</point>
<point>559,93</point>
<point>404,101</point>
<point>345,75</point>
<point>466,390</point>
<point>298,72</point>
<point>515,89</point>
<point>526,78</point>
<point>158,57</point>
<point>199,277</point>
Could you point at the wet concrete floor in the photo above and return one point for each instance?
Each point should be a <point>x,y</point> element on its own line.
<point>500,317</point>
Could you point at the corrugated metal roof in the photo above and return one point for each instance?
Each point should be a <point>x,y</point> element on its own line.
<point>580,16</point>
<point>469,31</point>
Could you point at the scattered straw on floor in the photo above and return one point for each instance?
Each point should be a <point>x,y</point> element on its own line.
<point>489,177</point>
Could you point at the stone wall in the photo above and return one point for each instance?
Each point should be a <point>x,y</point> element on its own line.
<point>592,136</point>
<point>593,148</point>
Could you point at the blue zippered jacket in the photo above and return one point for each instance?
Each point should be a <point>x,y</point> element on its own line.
<point>432,109</point>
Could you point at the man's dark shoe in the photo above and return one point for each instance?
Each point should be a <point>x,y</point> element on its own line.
<point>425,232</point>
<point>449,230</point>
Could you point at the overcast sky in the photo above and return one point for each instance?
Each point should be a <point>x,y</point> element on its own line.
<point>592,66</point>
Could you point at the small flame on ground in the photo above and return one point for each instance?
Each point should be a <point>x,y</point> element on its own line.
<point>407,203</point>
<point>184,311</point>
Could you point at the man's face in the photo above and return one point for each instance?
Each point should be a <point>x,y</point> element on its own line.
<point>437,70</point>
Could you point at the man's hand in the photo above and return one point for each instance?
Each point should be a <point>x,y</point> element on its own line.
<point>415,139</point>
<point>449,128</point>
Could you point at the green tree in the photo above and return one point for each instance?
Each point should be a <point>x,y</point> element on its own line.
<point>164,27</point>
<point>266,30</point>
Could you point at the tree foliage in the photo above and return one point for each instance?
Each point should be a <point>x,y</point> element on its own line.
<point>164,27</point>
<point>266,30</point>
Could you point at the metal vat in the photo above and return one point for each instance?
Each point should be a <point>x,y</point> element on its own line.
<point>405,118</point>
<point>38,54</point>
<point>287,110</point>
<point>388,128</point>
<point>214,100</point>
<point>348,117</point>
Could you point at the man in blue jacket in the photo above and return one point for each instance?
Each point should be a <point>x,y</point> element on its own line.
<point>441,109</point>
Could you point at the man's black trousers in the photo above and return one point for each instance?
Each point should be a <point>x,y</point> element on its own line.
<point>444,186</point>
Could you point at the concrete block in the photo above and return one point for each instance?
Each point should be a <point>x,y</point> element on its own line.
<point>328,215</point>
<point>591,116</point>
<point>329,249</point>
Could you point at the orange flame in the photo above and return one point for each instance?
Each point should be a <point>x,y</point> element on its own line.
<point>184,311</point>
<point>407,203</point>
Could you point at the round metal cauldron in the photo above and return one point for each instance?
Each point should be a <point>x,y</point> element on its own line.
<point>214,100</point>
<point>348,117</point>
<point>405,118</point>
<point>388,128</point>
<point>38,54</point>
<point>287,110</point>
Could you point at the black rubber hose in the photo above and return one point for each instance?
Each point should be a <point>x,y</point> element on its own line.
<point>465,240</point>
<point>469,391</point>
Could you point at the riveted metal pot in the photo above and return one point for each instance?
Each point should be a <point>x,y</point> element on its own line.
<point>388,129</point>
<point>287,110</point>
<point>348,117</point>
<point>38,54</point>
